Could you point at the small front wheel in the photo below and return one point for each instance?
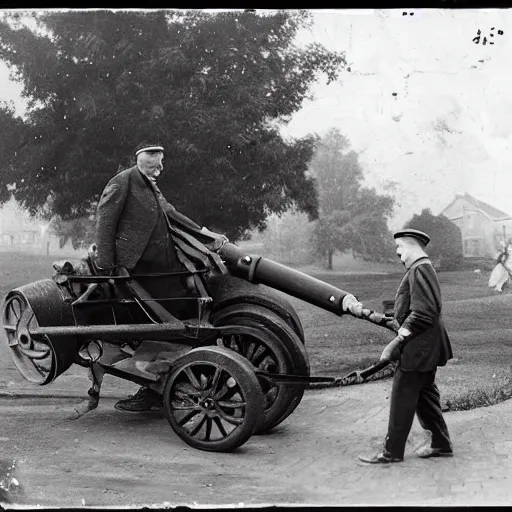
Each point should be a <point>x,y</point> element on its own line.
<point>213,399</point>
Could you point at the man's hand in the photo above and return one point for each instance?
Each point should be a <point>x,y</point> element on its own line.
<point>220,240</point>
<point>101,268</point>
<point>106,271</point>
<point>392,351</point>
<point>351,305</point>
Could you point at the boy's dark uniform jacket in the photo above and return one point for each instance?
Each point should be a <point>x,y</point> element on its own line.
<point>128,215</point>
<point>418,308</point>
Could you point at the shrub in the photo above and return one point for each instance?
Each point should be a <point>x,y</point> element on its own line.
<point>446,239</point>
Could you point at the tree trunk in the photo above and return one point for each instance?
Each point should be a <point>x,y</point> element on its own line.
<point>330,254</point>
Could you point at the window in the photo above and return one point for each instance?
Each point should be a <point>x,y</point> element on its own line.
<point>472,247</point>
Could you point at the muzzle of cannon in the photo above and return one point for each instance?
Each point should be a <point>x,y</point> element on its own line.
<point>260,270</point>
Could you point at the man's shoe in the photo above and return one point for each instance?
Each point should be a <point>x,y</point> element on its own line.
<point>380,458</point>
<point>425,452</point>
<point>145,400</point>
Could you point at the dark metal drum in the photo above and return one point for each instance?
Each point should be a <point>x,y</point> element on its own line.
<point>39,359</point>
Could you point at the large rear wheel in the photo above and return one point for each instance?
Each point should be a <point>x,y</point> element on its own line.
<point>229,291</point>
<point>269,343</point>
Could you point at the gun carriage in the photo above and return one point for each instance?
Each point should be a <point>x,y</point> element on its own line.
<point>231,364</point>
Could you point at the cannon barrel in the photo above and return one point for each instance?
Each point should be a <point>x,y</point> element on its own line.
<point>259,270</point>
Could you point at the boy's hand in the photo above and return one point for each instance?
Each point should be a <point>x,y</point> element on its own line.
<point>392,351</point>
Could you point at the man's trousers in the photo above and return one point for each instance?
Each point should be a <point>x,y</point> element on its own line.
<point>415,393</point>
<point>160,257</point>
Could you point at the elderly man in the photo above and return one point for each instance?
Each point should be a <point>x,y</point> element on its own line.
<point>133,220</point>
<point>136,228</point>
<point>421,346</point>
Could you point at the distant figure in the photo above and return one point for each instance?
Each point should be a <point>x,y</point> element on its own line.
<point>500,274</point>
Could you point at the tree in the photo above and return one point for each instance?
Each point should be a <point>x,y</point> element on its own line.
<point>287,237</point>
<point>211,87</point>
<point>12,128</point>
<point>352,216</point>
<point>80,231</point>
<point>445,244</point>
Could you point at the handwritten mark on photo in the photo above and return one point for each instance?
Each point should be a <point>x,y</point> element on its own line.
<point>484,39</point>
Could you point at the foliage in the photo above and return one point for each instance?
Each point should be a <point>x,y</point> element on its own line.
<point>287,236</point>
<point>445,238</point>
<point>352,216</point>
<point>79,230</point>
<point>211,87</point>
<point>12,127</point>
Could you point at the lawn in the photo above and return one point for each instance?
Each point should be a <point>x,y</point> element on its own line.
<point>17,268</point>
<point>477,319</point>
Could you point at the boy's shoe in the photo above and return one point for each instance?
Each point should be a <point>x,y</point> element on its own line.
<point>380,458</point>
<point>425,452</point>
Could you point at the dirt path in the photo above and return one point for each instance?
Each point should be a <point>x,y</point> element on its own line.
<point>110,458</point>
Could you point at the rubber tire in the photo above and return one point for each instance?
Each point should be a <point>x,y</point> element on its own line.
<point>285,394</point>
<point>229,290</point>
<point>249,314</point>
<point>243,373</point>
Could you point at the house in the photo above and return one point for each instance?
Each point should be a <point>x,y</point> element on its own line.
<point>482,226</point>
<point>17,228</point>
<point>19,231</point>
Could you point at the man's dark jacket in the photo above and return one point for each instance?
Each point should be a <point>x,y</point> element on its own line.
<point>418,308</point>
<point>126,216</point>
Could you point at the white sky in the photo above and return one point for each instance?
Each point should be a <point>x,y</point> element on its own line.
<point>427,59</point>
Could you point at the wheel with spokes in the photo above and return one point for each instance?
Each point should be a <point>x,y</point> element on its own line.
<point>213,399</point>
<point>262,349</point>
<point>33,358</point>
<point>39,359</point>
<point>269,343</point>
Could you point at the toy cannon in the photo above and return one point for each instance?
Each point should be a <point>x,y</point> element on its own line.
<point>233,364</point>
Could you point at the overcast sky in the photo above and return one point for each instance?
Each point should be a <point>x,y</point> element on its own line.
<point>441,79</point>
<point>430,61</point>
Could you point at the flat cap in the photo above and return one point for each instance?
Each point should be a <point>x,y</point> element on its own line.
<point>150,148</point>
<point>413,233</point>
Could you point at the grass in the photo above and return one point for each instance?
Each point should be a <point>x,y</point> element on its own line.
<point>17,268</point>
<point>476,317</point>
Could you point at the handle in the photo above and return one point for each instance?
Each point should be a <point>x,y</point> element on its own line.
<point>380,319</point>
<point>374,368</point>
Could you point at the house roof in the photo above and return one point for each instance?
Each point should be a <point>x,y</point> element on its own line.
<point>481,205</point>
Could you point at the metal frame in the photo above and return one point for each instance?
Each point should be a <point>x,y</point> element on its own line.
<point>161,323</point>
